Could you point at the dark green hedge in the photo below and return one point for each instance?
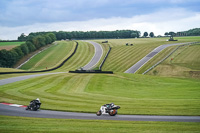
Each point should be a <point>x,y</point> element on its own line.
<point>8,58</point>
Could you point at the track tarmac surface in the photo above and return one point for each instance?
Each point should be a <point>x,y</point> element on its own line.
<point>19,78</point>
<point>97,56</point>
<point>20,111</point>
<point>149,56</point>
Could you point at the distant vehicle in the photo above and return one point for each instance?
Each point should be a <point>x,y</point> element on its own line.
<point>110,109</point>
<point>34,105</point>
<point>104,41</point>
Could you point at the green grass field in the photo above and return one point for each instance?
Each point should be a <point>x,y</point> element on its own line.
<point>54,55</point>
<point>83,55</point>
<point>50,57</point>
<point>123,57</point>
<point>136,94</point>
<point>23,124</point>
<point>10,43</point>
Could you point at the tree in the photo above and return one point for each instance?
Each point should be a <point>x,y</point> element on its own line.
<point>52,36</point>
<point>151,34</point>
<point>3,59</point>
<point>47,39</point>
<point>41,40</point>
<point>22,37</point>
<point>133,35</point>
<point>13,58</point>
<point>171,33</point>
<point>30,38</point>
<point>24,48</point>
<point>8,58</point>
<point>19,52</point>
<point>30,46</point>
<point>145,34</point>
<point>166,33</point>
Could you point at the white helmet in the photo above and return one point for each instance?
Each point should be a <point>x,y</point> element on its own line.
<point>38,99</point>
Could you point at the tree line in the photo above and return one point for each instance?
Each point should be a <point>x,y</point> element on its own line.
<point>191,32</point>
<point>63,35</point>
<point>8,58</point>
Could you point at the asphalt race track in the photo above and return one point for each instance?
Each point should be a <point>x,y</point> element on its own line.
<point>15,79</point>
<point>144,60</point>
<point>20,111</point>
<point>97,56</point>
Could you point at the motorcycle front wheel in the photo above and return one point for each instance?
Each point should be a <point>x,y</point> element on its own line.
<point>98,113</point>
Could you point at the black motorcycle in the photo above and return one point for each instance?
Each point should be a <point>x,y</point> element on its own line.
<point>34,105</point>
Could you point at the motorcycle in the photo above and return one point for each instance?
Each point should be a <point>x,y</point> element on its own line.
<point>34,105</point>
<point>110,109</point>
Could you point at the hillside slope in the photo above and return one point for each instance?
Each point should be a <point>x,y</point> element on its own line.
<point>185,62</point>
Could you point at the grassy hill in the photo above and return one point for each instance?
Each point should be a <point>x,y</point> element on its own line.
<point>136,94</point>
<point>185,62</point>
<point>50,57</point>
<point>83,55</point>
<point>54,55</point>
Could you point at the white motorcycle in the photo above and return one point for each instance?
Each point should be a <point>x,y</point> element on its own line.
<point>110,109</point>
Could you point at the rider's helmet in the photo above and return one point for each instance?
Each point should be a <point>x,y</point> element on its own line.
<point>112,104</point>
<point>38,99</point>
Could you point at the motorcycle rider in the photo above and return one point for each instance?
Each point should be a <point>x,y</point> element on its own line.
<point>34,104</point>
<point>109,106</point>
<point>111,109</point>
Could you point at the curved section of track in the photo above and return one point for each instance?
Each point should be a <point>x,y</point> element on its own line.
<point>20,111</point>
<point>97,56</point>
<point>15,79</point>
<point>144,60</point>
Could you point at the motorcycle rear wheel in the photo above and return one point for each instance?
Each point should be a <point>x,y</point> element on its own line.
<point>113,113</point>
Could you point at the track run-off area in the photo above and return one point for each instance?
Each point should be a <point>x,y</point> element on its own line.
<point>20,111</point>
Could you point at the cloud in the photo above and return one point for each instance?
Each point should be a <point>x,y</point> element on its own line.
<point>172,19</point>
<point>27,12</point>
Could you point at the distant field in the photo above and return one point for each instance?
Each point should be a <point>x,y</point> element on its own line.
<point>136,94</point>
<point>9,45</point>
<point>24,124</point>
<point>123,57</point>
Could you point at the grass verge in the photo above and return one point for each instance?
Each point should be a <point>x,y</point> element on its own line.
<point>23,124</point>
